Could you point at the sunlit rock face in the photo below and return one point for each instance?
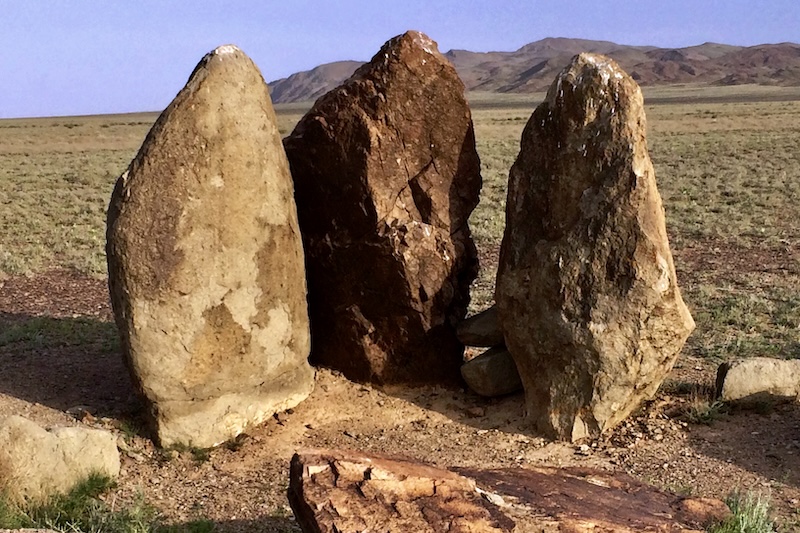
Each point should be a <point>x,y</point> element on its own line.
<point>386,176</point>
<point>586,290</point>
<point>205,261</point>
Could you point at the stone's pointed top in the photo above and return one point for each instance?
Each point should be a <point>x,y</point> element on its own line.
<point>226,49</point>
<point>594,82</point>
<point>422,40</point>
<point>589,68</point>
<point>226,56</point>
<point>410,41</point>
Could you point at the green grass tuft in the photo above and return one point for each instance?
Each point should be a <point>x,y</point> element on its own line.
<point>83,511</point>
<point>45,331</point>
<point>750,515</point>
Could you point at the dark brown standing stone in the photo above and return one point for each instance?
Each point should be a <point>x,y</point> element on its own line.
<point>586,289</point>
<point>205,261</point>
<point>386,176</point>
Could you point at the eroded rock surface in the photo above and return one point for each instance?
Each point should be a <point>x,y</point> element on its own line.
<point>205,261</point>
<point>586,288</point>
<point>337,491</point>
<point>386,176</point>
<point>36,464</point>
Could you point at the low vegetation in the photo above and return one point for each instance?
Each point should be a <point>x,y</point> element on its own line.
<point>84,510</point>
<point>750,515</point>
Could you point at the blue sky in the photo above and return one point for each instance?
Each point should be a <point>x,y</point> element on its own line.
<point>70,57</point>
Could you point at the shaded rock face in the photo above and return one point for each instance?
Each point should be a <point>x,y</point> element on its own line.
<point>386,176</point>
<point>586,287</point>
<point>36,464</point>
<point>205,261</point>
<point>334,490</point>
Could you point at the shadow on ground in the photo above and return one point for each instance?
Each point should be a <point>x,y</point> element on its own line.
<point>63,363</point>
<point>766,442</point>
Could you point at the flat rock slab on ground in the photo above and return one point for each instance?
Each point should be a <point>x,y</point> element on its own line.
<point>341,491</point>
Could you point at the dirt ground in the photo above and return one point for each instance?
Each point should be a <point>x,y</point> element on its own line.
<point>242,486</point>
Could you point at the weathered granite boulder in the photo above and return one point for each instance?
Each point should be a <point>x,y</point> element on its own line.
<point>756,380</point>
<point>492,373</point>
<point>205,261</point>
<point>36,464</point>
<point>482,329</point>
<point>586,288</point>
<point>333,490</point>
<point>386,176</point>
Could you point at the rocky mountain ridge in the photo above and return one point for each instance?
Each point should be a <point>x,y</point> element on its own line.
<point>532,67</point>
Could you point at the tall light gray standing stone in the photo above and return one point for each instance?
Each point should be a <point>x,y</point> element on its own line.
<point>586,289</point>
<point>205,261</point>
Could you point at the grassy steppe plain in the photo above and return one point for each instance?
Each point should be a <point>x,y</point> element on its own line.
<point>726,161</point>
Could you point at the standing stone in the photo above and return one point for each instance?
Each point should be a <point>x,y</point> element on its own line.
<point>386,176</point>
<point>586,288</point>
<point>205,261</point>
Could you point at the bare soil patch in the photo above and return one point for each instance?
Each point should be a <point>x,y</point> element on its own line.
<point>241,486</point>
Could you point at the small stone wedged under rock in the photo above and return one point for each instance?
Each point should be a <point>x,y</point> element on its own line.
<point>492,373</point>
<point>346,491</point>
<point>205,261</point>
<point>36,464</point>
<point>586,289</point>
<point>482,329</point>
<point>386,175</point>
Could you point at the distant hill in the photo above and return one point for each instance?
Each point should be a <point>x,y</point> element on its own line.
<point>534,66</point>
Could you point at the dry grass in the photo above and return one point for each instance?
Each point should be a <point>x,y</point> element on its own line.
<point>725,158</point>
